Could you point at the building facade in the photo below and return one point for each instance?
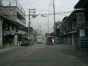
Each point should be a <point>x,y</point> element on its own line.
<point>12,18</point>
<point>75,26</point>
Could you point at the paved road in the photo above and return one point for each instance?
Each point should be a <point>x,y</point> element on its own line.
<point>43,55</point>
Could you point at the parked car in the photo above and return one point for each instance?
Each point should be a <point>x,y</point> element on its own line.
<point>24,43</point>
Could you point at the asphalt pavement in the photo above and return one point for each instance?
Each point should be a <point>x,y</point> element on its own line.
<point>43,55</point>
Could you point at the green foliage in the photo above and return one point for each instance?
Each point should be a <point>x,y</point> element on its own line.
<point>7,41</point>
<point>4,41</point>
<point>51,34</point>
<point>10,41</point>
<point>59,23</point>
<point>57,30</point>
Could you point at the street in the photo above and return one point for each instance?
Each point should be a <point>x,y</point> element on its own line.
<point>43,55</point>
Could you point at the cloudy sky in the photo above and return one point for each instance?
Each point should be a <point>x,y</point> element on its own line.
<point>46,7</point>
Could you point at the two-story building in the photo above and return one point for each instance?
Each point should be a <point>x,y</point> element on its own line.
<point>12,18</point>
<point>74,28</point>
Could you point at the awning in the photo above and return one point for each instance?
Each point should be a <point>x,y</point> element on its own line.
<point>18,33</point>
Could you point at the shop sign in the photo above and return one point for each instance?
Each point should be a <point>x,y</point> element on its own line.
<point>82,33</point>
<point>12,32</point>
<point>80,18</point>
<point>5,32</point>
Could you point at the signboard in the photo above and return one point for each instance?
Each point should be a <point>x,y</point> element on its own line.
<point>5,32</point>
<point>82,33</point>
<point>80,18</point>
<point>12,32</point>
<point>84,42</point>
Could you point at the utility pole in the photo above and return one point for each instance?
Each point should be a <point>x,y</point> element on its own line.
<point>29,22</point>
<point>48,24</point>
<point>54,21</point>
<point>1,25</point>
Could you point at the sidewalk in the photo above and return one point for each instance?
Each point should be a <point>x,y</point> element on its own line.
<point>7,48</point>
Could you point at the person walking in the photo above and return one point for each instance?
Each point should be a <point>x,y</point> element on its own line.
<point>53,41</point>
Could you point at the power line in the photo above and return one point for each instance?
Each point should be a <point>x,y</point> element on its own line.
<point>31,2</point>
<point>48,14</point>
<point>41,10</point>
<point>61,7</point>
<point>56,13</point>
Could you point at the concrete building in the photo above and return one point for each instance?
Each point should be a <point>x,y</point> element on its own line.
<point>12,18</point>
<point>75,26</point>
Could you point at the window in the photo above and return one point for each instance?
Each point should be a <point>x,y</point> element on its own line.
<point>74,23</point>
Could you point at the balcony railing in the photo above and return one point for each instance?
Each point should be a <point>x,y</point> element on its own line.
<point>13,3</point>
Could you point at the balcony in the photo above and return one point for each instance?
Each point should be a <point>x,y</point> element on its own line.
<point>13,3</point>
<point>20,22</point>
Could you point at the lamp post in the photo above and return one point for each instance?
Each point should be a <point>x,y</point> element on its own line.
<point>54,21</point>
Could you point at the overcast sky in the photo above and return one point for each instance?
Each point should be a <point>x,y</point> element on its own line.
<point>45,7</point>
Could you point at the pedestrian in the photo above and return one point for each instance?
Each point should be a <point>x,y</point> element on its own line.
<point>53,40</point>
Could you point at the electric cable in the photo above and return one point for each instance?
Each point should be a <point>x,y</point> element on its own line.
<point>61,7</point>
<point>50,13</point>
<point>31,2</point>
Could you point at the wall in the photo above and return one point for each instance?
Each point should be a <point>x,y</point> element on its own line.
<point>10,13</point>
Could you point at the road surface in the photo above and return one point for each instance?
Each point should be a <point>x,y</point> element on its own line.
<point>43,55</point>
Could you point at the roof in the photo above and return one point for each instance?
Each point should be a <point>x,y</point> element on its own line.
<point>71,16</point>
<point>77,3</point>
<point>81,4</point>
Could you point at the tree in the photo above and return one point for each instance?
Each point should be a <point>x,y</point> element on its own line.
<point>10,41</point>
<point>57,30</point>
<point>51,34</point>
<point>4,41</point>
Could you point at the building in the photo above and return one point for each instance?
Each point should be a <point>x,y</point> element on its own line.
<point>12,18</point>
<point>75,26</point>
